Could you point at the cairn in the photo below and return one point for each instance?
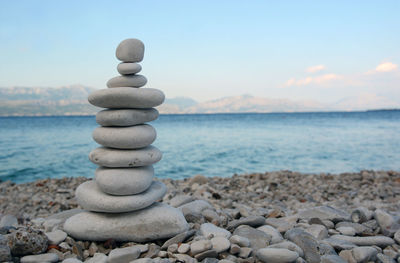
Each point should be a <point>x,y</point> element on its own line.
<point>121,203</point>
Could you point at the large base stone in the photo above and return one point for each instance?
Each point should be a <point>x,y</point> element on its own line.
<point>159,221</point>
<point>91,198</point>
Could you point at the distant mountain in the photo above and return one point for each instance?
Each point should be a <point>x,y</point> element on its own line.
<point>72,100</point>
<point>27,101</point>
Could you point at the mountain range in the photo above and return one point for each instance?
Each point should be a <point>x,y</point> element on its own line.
<point>72,100</point>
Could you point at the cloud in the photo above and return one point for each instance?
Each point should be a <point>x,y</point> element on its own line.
<point>313,80</point>
<point>314,69</point>
<point>386,67</point>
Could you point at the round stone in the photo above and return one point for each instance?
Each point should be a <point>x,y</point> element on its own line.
<point>159,221</point>
<point>109,157</point>
<point>125,117</point>
<point>133,81</point>
<point>125,97</point>
<point>133,137</point>
<point>130,50</point>
<point>128,68</point>
<point>124,181</point>
<point>91,198</point>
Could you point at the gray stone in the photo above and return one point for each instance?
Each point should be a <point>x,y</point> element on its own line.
<point>181,258</point>
<point>211,230</point>
<point>253,221</point>
<point>180,200</point>
<point>361,215</point>
<point>364,254</point>
<point>289,245</point>
<point>347,255</point>
<point>220,244</point>
<point>194,209</point>
<point>128,68</point>
<point>207,254</point>
<point>42,258</point>
<point>178,238</point>
<point>8,221</point>
<point>306,242</point>
<point>58,219</point>
<point>318,231</point>
<point>123,255</point>
<point>397,236</point>
<point>133,81</point>
<point>91,198</point>
<point>183,248</point>
<point>125,117</point>
<point>326,249</point>
<point>241,241</point>
<point>280,224</point>
<point>124,181</point>
<point>5,253</point>
<point>117,158</point>
<point>325,213</point>
<point>142,260</point>
<point>130,50</point>
<point>359,228</point>
<point>258,239</point>
<point>332,259</point>
<point>245,252</point>
<point>56,237</point>
<point>27,242</point>
<point>133,137</point>
<point>346,230</point>
<point>381,258</point>
<point>386,222</point>
<point>159,221</point>
<point>380,241</point>
<point>199,246</point>
<point>71,260</point>
<point>276,255</point>
<point>273,232</point>
<point>97,258</point>
<point>172,248</point>
<point>210,260</point>
<point>126,98</point>
<point>339,244</point>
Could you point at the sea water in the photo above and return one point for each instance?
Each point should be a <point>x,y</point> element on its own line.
<point>211,144</point>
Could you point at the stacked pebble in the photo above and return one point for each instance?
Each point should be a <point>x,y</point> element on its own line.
<point>124,181</point>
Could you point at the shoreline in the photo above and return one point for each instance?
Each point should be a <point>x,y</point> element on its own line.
<point>282,208</point>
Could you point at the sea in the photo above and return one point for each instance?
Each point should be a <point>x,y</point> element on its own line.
<point>222,145</point>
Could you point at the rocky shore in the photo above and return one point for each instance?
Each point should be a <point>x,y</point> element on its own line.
<point>272,217</point>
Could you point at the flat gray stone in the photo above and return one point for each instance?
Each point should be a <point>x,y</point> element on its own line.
<point>306,242</point>
<point>127,68</point>
<point>276,255</point>
<point>133,81</point>
<point>325,213</point>
<point>258,239</point>
<point>332,259</point>
<point>125,117</point>
<point>273,232</point>
<point>195,207</point>
<point>178,238</point>
<point>56,237</point>
<point>109,157</point>
<point>211,230</point>
<point>130,50</point>
<point>339,244</point>
<point>71,260</point>
<point>220,244</point>
<point>91,198</point>
<point>180,200</point>
<point>199,246</point>
<point>159,221</point>
<point>8,221</point>
<point>123,255</point>
<point>97,258</point>
<point>125,97</point>
<point>240,241</point>
<point>364,254</point>
<point>133,137</point>
<point>380,241</point>
<point>253,221</point>
<point>124,181</point>
<point>288,245</point>
<point>42,258</point>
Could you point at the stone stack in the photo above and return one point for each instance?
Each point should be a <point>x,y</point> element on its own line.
<point>121,202</point>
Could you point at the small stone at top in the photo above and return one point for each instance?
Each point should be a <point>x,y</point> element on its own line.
<point>130,50</point>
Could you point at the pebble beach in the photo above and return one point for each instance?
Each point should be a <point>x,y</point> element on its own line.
<point>263,217</point>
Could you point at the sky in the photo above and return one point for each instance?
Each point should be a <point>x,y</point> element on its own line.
<point>301,50</point>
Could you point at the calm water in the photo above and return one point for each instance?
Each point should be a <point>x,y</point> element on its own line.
<point>212,145</point>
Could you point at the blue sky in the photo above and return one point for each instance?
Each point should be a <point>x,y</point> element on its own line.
<point>317,50</point>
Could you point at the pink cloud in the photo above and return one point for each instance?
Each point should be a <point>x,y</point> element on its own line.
<point>316,68</point>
